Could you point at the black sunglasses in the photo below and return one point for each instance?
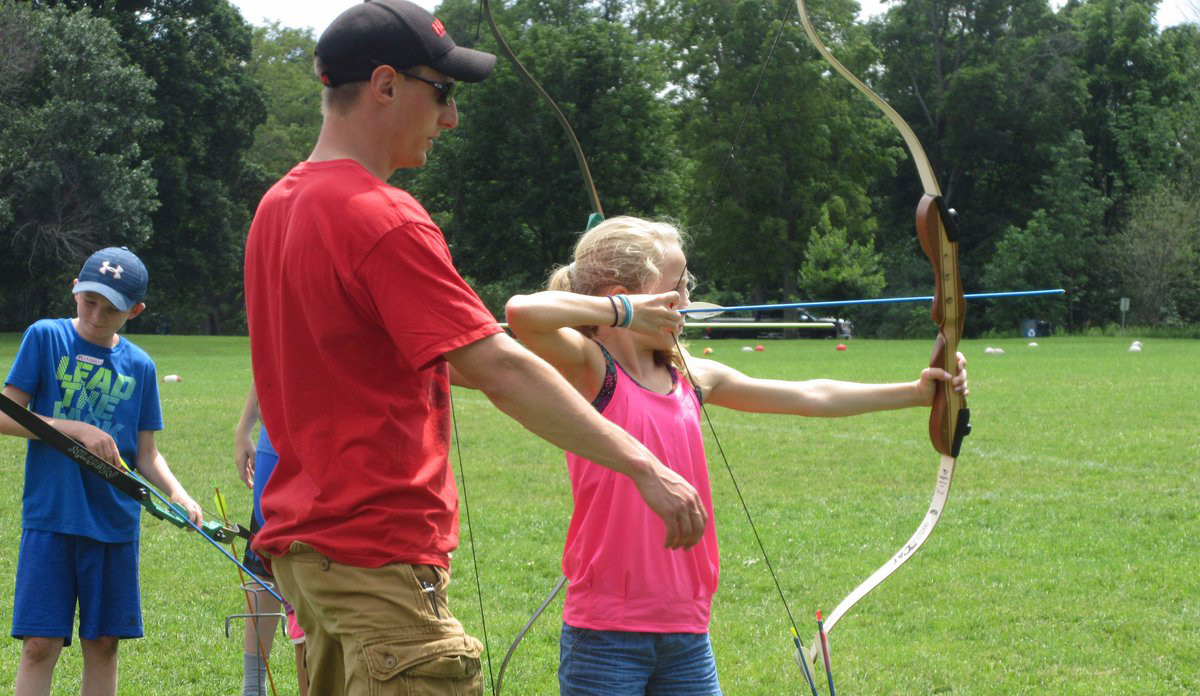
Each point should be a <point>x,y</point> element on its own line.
<point>445,90</point>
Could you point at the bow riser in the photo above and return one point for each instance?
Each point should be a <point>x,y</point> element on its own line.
<point>949,418</point>
<point>947,422</point>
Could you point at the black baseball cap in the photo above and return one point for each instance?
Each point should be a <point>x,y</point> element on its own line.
<point>396,33</point>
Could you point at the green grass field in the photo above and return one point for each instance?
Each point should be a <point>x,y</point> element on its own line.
<point>1067,561</point>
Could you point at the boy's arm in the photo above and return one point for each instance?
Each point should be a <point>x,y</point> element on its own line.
<point>94,439</point>
<point>153,467</point>
<point>244,448</point>
<point>819,397</point>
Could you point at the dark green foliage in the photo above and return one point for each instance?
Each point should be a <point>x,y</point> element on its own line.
<point>505,185</point>
<point>196,52</point>
<point>73,176</point>
<point>1062,138</point>
<point>283,65</point>
<point>1060,247</point>
<point>806,155</point>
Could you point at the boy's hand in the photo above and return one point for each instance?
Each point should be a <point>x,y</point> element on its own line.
<point>194,513</point>
<point>930,376</point>
<point>94,439</point>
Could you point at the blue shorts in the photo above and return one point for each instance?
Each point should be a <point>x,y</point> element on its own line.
<point>621,663</point>
<point>56,570</point>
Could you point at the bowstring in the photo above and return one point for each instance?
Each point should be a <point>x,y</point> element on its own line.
<point>462,473</point>
<point>462,467</point>
<point>687,367</point>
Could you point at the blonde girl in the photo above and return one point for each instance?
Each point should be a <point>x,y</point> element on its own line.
<point>636,615</point>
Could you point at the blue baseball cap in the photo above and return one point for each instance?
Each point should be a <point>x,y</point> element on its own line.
<point>117,274</point>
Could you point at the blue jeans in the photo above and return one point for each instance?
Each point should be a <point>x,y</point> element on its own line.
<point>621,663</point>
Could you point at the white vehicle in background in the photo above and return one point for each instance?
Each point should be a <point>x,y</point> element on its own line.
<point>841,328</point>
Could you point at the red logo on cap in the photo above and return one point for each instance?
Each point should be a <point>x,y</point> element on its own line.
<point>438,28</point>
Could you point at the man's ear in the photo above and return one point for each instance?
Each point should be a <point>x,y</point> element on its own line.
<point>382,83</point>
<point>74,282</point>
<point>136,309</point>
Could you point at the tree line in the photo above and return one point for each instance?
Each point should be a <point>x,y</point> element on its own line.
<point>1068,142</point>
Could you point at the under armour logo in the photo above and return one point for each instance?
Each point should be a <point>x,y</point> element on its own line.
<point>116,270</point>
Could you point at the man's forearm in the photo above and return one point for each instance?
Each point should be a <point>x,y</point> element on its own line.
<point>530,391</point>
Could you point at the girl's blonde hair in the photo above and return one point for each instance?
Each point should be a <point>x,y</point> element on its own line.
<point>621,251</point>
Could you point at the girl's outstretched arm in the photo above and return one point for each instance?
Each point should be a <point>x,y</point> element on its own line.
<point>725,386</point>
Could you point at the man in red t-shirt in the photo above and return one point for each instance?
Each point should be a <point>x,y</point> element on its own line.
<point>358,324</point>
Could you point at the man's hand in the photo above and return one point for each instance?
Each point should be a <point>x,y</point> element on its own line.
<point>674,500</point>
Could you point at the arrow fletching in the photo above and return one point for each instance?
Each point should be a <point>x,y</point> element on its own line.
<point>699,311</point>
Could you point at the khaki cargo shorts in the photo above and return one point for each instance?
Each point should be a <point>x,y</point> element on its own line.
<point>378,631</point>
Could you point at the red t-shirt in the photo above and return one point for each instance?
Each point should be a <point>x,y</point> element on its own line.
<point>352,300</point>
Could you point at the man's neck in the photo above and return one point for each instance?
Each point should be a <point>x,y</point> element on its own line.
<point>339,139</point>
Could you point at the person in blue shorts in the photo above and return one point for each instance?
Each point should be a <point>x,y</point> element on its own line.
<point>79,534</point>
<point>255,459</point>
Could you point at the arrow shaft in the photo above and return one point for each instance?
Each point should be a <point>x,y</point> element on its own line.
<point>881,300</point>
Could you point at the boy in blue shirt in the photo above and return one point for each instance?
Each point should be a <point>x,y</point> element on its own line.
<point>79,538</point>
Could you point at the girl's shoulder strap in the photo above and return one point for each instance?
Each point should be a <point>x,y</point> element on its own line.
<point>609,385</point>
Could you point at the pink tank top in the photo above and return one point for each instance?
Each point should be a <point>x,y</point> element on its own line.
<point>621,576</point>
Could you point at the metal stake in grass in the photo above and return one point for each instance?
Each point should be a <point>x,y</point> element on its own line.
<point>825,650</point>
<point>251,610</point>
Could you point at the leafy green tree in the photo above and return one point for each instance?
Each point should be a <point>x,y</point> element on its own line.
<point>283,64</point>
<point>196,52</point>
<point>991,89</point>
<point>1158,253</point>
<point>834,266</point>
<point>807,150</point>
<point>1183,47</point>
<point>507,172</point>
<point>1060,246</point>
<point>1131,94</point>
<point>73,178</point>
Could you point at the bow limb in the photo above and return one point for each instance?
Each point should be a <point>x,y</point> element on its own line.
<point>512,649</point>
<point>949,418</point>
<point>588,182</point>
<point>126,480</point>
<point>595,218</point>
<point>925,169</point>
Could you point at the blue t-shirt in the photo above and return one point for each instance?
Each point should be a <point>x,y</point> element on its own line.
<point>264,443</point>
<point>115,390</point>
<point>264,463</point>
